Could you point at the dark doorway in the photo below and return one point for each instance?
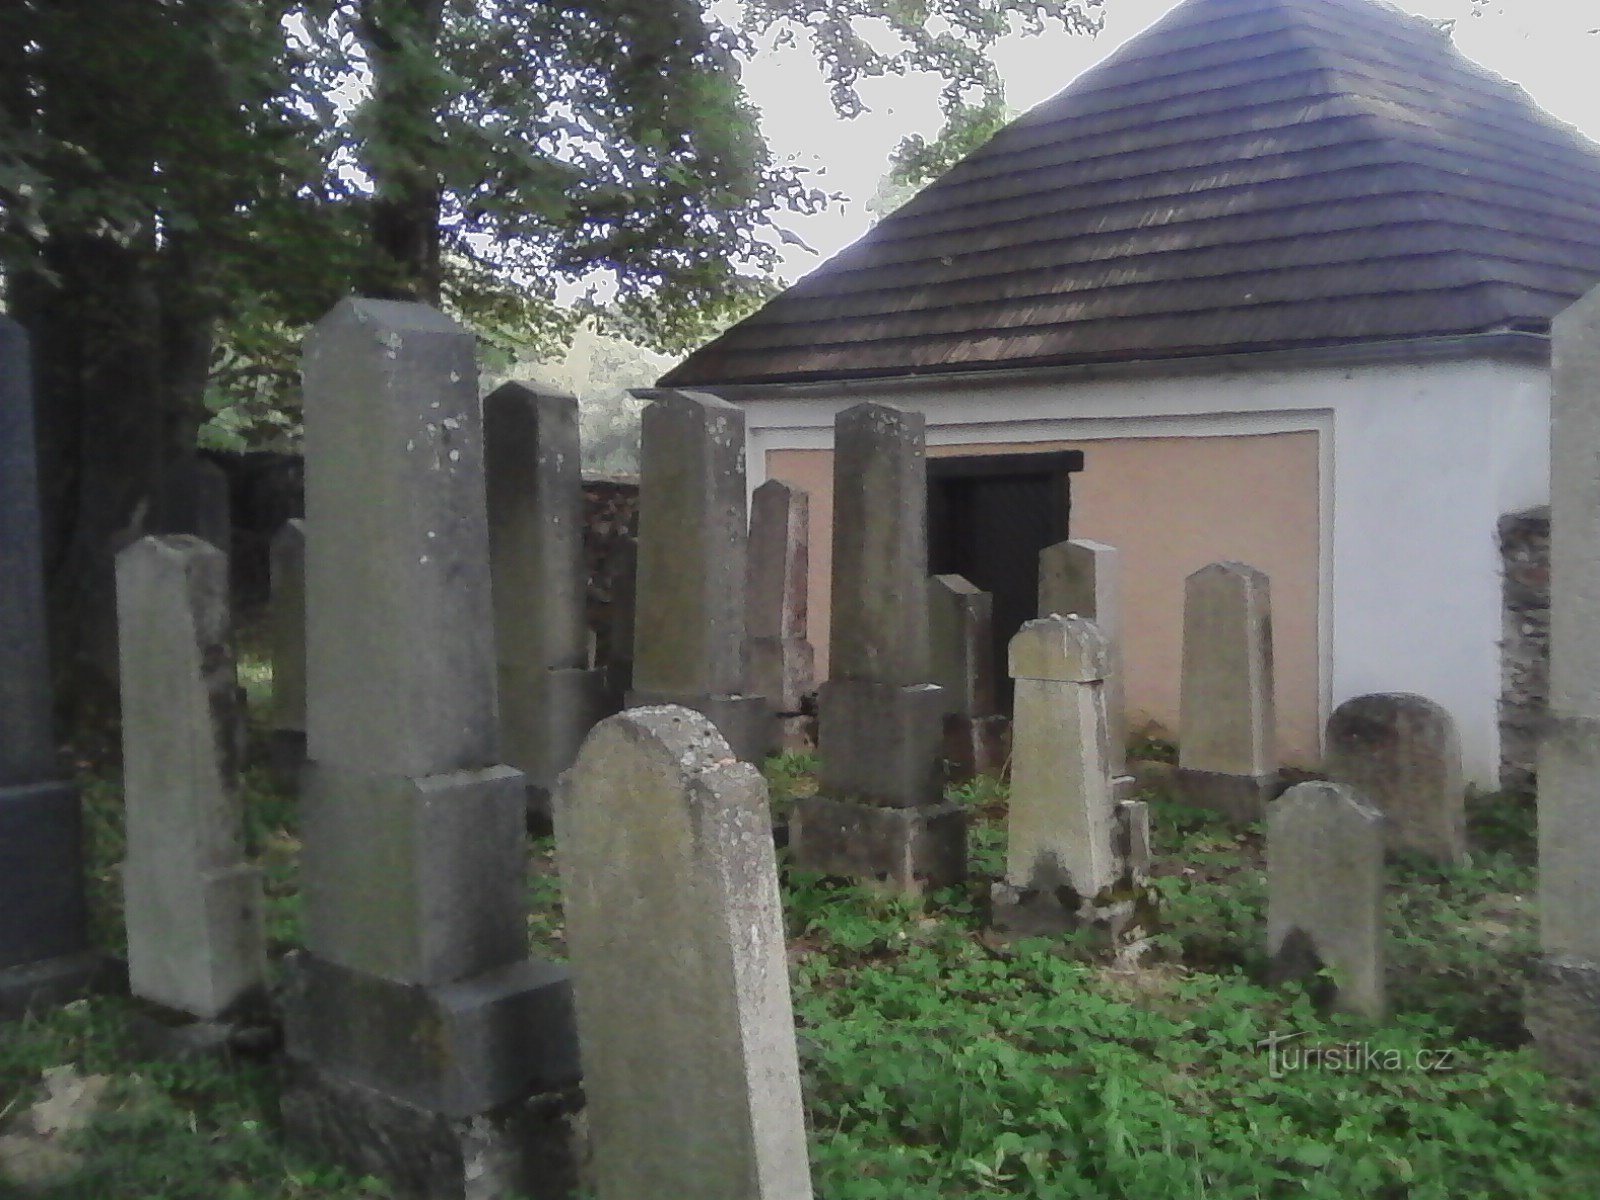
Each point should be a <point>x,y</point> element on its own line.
<point>988,518</point>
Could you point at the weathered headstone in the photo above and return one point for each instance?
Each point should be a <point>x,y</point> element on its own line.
<point>1227,759</point>
<point>1084,577</point>
<point>1401,753</point>
<point>44,947</point>
<point>1564,1004</point>
<point>428,1048</point>
<point>676,932</point>
<point>782,662</point>
<point>286,630</point>
<point>1325,893</point>
<point>192,903</point>
<point>880,813</point>
<point>549,698</point>
<point>961,639</point>
<point>1071,845</point>
<point>689,616</point>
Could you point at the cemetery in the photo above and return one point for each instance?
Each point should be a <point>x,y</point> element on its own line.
<point>793,820</point>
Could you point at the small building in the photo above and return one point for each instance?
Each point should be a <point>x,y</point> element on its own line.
<point>1273,283</point>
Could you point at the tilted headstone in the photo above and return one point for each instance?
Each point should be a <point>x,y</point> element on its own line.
<point>880,812</point>
<point>192,903</point>
<point>689,610</point>
<point>415,1017</point>
<point>961,636</point>
<point>1069,843</point>
<point>1325,893</point>
<point>44,948</point>
<point>1401,753</point>
<point>782,662</point>
<point>1227,759</point>
<point>1564,1004</point>
<point>675,927</point>
<point>549,698</point>
<point>1084,577</point>
<point>286,630</point>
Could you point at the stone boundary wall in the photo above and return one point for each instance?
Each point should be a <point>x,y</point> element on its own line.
<point>1525,643</point>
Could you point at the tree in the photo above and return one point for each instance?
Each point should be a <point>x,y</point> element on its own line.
<point>172,169</point>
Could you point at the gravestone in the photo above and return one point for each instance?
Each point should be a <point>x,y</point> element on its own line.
<point>44,947</point>
<point>689,610</point>
<point>196,500</point>
<point>192,904</point>
<point>961,640</point>
<point>880,813</point>
<point>675,927</point>
<point>1074,853</point>
<point>286,631</point>
<point>1325,893</point>
<point>622,581</point>
<point>427,1047</point>
<point>1402,754</point>
<point>549,697</point>
<point>1084,577</point>
<point>1564,1001</point>
<point>1227,759</point>
<point>782,662</point>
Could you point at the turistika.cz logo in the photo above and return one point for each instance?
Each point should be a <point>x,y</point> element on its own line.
<point>1285,1053</point>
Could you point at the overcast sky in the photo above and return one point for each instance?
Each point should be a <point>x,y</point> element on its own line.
<point>1546,46</point>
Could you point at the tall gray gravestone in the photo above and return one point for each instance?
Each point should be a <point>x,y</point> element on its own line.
<point>880,813</point>
<point>1084,577</point>
<point>1070,844</point>
<point>1227,756</point>
<point>1325,893</point>
<point>549,696</point>
<point>961,642</point>
<point>1564,1003</point>
<point>689,610</point>
<point>192,904</point>
<point>44,945</point>
<point>782,661</point>
<point>428,1048</point>
<point>676,931</point>
<point>286,631</point>
<point>1402,753</point>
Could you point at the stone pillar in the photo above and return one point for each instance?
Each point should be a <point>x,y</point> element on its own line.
<point>1402,754</point>
<point>549,698</point>
<point>428,1048</point>
<point>676,931</point>
<point>1564,1004</point>
<point>1074,854</point>
<point>961,640</point>
<point>1227,759</point>
<point>1085,577</point>
<point>880,814</point>
<point>192,904</point>
<point>689,617</point>
<point>782,662</point>
<point>1325,893</point>
<point>286,631</point>
<point>44,945</point>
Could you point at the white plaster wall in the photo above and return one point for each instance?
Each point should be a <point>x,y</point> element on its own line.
<point>1418,464</point>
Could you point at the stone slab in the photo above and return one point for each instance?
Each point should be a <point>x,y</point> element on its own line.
<point>42,910</point>
<point>1563,1015</point>
<point>1226,719</point>
<point>1569,839</point>
<point>783,670</point>
<point>199,948</point>
<point>746,722</point>
<point>1241,798</point>
<point>415,880</point>
<point>168,1038</point>
<point>881,743</point>
<point>458,1049</point>
<point>909,849</point>
<point>961,645</point>
<point>544,722</point>
<point>1085,577</point>
<point>47,983</point>
<point>531,1147</point>
<point>976,746</point>
<point>780,532</point>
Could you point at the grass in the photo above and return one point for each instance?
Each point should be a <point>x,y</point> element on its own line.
<point>940,1062</point>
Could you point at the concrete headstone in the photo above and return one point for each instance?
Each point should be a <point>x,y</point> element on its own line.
<point>1401,752</point>
<point>1325,892</point>
<point>1085,577</point>
<point>782,662</point>
<point>675,928</point>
